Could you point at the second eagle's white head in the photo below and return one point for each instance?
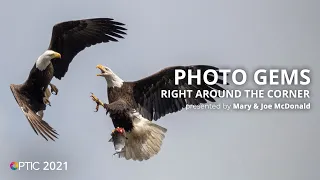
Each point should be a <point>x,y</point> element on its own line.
<point>45,59</point>
<point>112,79</point>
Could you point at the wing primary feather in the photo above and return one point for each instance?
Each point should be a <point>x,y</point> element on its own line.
<point>27,106</point>
<point>71,37</point>
<point>147,91</point>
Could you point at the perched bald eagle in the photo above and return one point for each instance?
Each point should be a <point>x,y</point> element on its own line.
<point>133,105</point>
<point>68,39</point>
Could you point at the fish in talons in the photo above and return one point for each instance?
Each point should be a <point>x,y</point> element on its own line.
<point>118,138</point>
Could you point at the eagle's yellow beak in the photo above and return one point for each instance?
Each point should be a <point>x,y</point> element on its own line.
<point>101,69</point>
<point>56,55</point>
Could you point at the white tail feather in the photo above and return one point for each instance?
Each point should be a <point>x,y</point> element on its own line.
<point>145,139</point>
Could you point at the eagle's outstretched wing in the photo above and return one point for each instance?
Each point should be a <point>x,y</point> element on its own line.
<point>147,91</point>
<point>70,37</point>
<point>30,109</point>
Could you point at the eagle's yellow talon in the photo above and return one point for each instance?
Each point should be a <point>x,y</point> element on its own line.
<point>95,99</point>
<point>54,89</point>
<point>46,101</point>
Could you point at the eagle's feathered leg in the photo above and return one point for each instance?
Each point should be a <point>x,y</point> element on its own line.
<point>99,103</point>
<point>46,97</point>
<point>54,89</point>
<point>47,93</point>
<point>46,101</point>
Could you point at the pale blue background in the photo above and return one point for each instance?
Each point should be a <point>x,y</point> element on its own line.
<point>207,145</point>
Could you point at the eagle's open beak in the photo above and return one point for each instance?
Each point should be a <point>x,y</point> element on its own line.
<point>57,55</point>
<point>101,69</point>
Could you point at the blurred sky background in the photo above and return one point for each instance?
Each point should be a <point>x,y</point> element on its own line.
<point>199,144</point>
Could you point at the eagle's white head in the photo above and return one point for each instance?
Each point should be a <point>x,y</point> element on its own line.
<point>112,79</point>
<point>45,59</point>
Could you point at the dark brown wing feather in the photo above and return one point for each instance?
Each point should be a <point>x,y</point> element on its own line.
<point>147,91</point>
<point>71,37</point>
<point>38,125</point>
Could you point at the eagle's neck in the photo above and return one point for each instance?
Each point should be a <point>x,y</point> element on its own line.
<point>114,81</point>
<point>42,62</point>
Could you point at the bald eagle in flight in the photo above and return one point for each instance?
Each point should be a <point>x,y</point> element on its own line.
<point>68,39</point>
<point>133,105</point>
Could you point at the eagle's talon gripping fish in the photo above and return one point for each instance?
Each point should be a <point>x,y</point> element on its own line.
<point>134,105</point>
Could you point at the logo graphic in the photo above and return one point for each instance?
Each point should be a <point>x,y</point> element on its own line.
<point>14,165</point>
